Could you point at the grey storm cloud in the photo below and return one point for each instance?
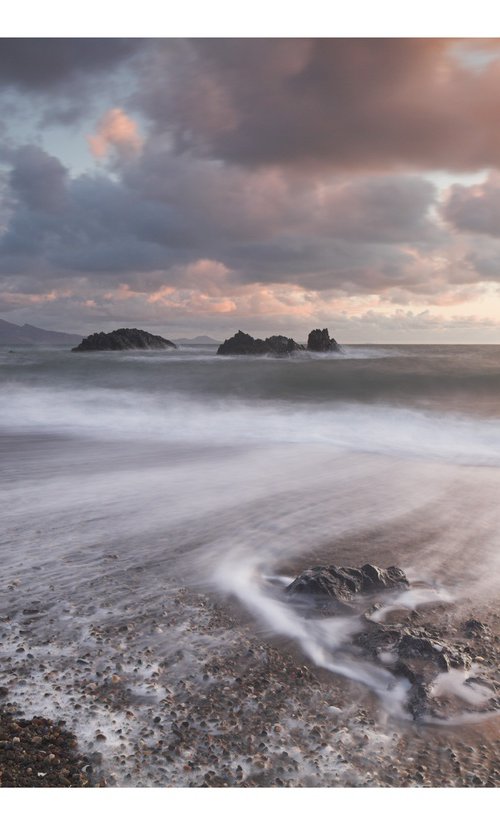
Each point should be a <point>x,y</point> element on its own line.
<point>251,204</point>
<point>355,104</point>
<point>61,78</point>
<point>349,103</point>
<point>38,179</point>
<point>382,210</point>
<point>163,212</point>
<point>41,64</point>
<point>475,208</point>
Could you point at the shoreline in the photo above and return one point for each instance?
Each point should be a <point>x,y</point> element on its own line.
<point>254,714</point>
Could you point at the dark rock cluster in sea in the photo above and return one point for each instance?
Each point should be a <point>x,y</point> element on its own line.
<point>243,344</point>
<point>319,341</point>
<point>405,646</point>
<point>123,339</point>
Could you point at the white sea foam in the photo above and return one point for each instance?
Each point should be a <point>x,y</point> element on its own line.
<point>320,639</point>
<point>410,600</point>
<point>118,414</point>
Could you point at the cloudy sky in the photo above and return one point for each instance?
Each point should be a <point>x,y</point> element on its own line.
<point>201,186</point>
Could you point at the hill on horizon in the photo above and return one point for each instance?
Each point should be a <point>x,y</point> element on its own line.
<point>199,339</point>
<point>26,335</point>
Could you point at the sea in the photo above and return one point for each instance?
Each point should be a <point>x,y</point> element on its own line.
<point>137,488</point>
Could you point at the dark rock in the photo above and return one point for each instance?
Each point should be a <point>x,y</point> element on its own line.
<point>416,656</point>
<point>474,628</point>
<point>407,650</point>
<point>239,344</point>
<point>319,341</point>
<point>244,344</point>
<point>408,645</point>
<point>418,697</point>
<point>281,345</point>
<point>341,584</point>
<point>123,339</point>
<point>417,647</point>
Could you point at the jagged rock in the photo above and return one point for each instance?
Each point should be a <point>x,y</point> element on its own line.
<point>411,647</point>
<point>319,341</point>
<point>239,344</point>
<point>281,345</point>
<point>415,656</point>
<point>474,628</point>
<point>443,655</point>
<point>123,339</point>
<point>406,649</point>
<point>244,344</point>
<point>419,693</point>
<point>341,584</point>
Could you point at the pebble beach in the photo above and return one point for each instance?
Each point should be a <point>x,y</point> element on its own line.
<point>255,715</point>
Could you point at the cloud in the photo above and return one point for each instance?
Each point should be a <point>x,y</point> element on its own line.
<point>339,103</point>
<point>41,64</point>
<point>159,213</point>
<point>38,179</point>
<point>156,223</point>
<point>476,208</point>
<point>60,82</point>
<point>273,183</point>
<point>116,130</point>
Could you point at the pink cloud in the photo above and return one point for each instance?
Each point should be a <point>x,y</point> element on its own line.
<point>343,103</point>
<point>116,130</point>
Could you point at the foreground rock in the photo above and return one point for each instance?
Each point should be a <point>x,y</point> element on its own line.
<point>319,341</point>
<point>123,339</point>
<point>417,655</point>
<point>434,662</point>
<point>339,585</point>
<point>244,344</point>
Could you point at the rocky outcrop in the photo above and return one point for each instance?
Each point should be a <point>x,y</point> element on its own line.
<point>281,345</point>
<point>244,344</point>
<point>419,656</point>
<point>474,629</point>
<point>319,341</point>
<point>341,584</point>
<point>123,339</point>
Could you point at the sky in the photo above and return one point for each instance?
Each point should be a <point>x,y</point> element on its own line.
<point>205,185</point>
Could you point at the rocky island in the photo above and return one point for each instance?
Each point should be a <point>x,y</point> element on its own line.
<point>123,339</point>
<point>244,344</point>
<point>319,341</point>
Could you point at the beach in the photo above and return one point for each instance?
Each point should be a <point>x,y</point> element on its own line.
<point>156,506</point>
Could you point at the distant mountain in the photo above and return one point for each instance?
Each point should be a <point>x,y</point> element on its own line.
<point>200,339</point>
<point>15,335</point>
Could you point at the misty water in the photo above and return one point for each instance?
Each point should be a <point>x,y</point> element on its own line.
<point>128,476</point>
